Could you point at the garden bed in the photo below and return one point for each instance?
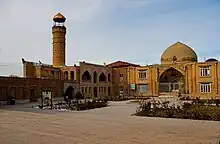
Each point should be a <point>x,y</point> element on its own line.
<point>194,110</point>
<point>76,106</point>
<point>91,105</point>
<point>121,99</point>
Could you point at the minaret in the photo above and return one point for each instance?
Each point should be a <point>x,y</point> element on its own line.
<point>59,40</point>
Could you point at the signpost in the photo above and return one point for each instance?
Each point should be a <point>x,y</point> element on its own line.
<point>47,95</point>
<point>132,86</point>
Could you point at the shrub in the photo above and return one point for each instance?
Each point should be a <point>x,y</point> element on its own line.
<point>92,105</point>
<point>77,105</point>
<point>196,110</point>
<point>119,98</point>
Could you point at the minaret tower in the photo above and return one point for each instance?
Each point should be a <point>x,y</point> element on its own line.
<point>59,40</point>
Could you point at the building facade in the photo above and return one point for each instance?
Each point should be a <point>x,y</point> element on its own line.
<point>123,76</point>
<point>28,89</point>
<point>178,73</point>
<point>59,80</point>
<point>95,80</point>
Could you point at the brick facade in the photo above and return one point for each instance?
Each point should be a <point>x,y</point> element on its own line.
<point>28,88</point>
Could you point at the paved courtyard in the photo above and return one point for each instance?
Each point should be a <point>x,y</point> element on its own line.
<point>110,125</point>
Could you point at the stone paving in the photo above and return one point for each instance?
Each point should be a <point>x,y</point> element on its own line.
<point>110,125</point>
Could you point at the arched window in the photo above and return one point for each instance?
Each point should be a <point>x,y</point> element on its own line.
<point>72,75</point>
<point>102,77</point>
<point>86,76</point>
<point>66,75</point>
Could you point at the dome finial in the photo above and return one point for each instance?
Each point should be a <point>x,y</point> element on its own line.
<point>59,18</point>
<point>178,42</point>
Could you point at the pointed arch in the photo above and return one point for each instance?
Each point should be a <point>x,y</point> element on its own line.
<point>171,79</point>
<point>171,75</point>
<point>177,69</point>
<point>72,73</point>
<point>66,75</point>
<point>102,77</point>
<point>86,76</point>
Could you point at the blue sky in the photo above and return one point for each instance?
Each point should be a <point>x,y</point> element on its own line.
<point>101,31</point>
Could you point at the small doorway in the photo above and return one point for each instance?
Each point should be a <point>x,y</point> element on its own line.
<point>69,93</point>
<point>33,95</point>
<point>12,92</point>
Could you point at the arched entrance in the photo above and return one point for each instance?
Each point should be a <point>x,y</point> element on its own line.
<point>171,80</point>
<point>69,93</point>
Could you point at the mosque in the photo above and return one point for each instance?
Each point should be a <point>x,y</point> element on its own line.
<point>178,73</point>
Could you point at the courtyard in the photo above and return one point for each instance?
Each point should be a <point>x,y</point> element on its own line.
<point>109,125</point>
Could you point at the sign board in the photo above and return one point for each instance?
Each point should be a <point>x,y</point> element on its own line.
<point>132,86</point>
<point>46,94</point>
<point>143,88</point>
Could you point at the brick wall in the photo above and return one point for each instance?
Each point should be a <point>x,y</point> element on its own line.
<point>28,88</point>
